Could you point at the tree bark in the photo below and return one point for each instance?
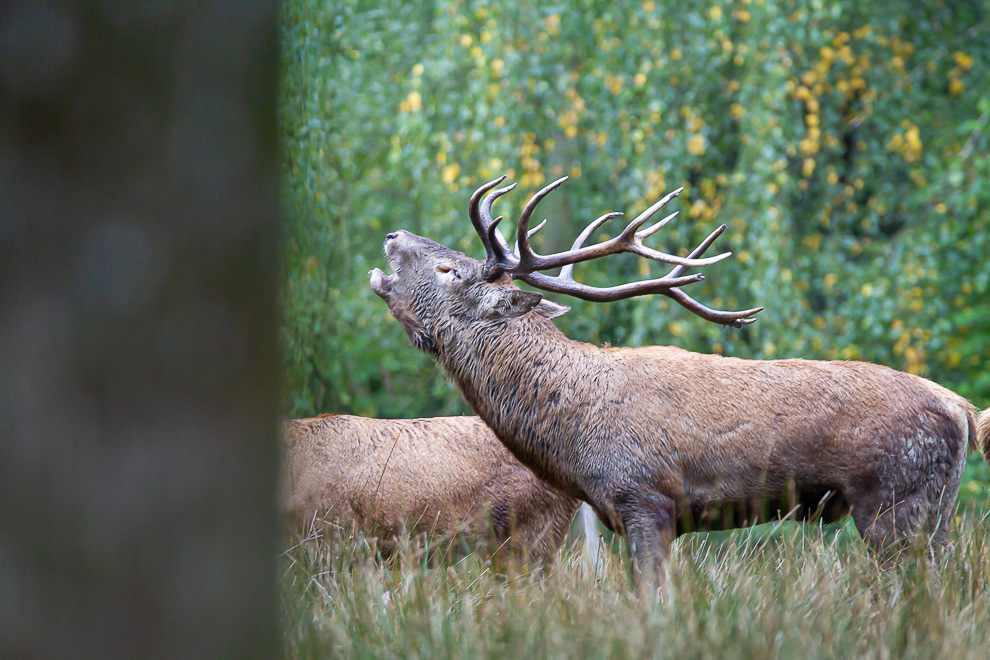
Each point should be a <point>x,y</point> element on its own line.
<point>139,371</point>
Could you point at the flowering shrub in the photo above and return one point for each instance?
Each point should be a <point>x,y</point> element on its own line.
<point>845,144</point>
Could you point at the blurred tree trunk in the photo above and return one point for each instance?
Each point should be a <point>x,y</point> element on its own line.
<point>139,373</point>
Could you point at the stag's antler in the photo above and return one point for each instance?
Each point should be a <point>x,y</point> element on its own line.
<point>523,263</point>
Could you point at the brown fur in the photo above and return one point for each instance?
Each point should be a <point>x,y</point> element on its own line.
<point>437,477</point>
<point>983,433</point>
<point>660,440</point>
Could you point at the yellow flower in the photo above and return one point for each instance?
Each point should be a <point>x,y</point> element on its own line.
<point>715,13</point>
<point>676,54</point>
<point>696,145</point>
<point>741,15</point>
<point>808,168</point>
<point>639,79</point>
<point>963,60</point>
<point>417,69</point>
<point>833,177</point>
<point>736,110</point>
<point>413,102</point>
<point>466,40</point>
<point>497,66</point>
<point>614,83</point>
<point>649,6</point>
<point>830,280</point>
<point>955,86</point>
<point>450,173</point>
<point>499,121</point>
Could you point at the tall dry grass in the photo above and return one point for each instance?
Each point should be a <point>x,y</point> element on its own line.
<point>783,591</point>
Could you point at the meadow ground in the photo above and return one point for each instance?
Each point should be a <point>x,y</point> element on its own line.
<point>778,591</point>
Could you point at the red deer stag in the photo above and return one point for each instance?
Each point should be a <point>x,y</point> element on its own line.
<point>438,477</point>
<point>660,440</point>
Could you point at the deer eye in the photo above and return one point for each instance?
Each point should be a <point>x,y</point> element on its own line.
<point>454,275</point>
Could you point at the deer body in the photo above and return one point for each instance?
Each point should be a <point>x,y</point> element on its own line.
<point>727,442</point>
<point>660,440</point>
<point>438,477</point>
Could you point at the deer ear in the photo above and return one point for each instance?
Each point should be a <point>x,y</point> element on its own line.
<point>509,303</point>
<point>551,310</point>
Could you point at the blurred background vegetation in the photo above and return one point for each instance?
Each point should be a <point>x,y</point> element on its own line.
<point>844,143</point>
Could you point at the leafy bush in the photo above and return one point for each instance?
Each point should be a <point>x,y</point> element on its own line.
<point>845,144</point>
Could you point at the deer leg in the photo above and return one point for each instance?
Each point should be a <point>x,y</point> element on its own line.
<point>893,514</point>
<point>650,523</point>
<point>888,522</point>
<point>944,494</point>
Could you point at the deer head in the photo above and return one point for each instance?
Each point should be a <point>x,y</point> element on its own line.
<point>434,290</point>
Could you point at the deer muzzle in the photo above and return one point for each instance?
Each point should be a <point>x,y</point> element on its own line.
<point>380,282</point>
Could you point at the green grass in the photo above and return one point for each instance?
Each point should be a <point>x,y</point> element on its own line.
<point>779,591</point>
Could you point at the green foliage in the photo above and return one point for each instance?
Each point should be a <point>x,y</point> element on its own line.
<point>845,144</point>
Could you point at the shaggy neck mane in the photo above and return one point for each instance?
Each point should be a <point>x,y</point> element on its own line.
<point>523,377</point>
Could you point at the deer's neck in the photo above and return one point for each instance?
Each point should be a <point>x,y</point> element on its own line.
<point>529,383</point>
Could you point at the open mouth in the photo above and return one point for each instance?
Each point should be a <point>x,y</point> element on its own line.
<point>380,282</point>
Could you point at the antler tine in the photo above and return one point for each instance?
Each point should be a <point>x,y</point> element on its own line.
<point>486,213</point>
<point>566,284</point>
<point>477,194</point>
<point>475,212</point>
<point>734,319</point>
<point>482,222</point>
<point>585,234</point>
<point>500,257</point>
<point>628,240</point>
<point>652,229</point>
<point>641,219</point>
<point>527,257</point>
<point>535,229</point>
<point>532,232</point>
<point>495,237</point>
<point>698,251</point>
